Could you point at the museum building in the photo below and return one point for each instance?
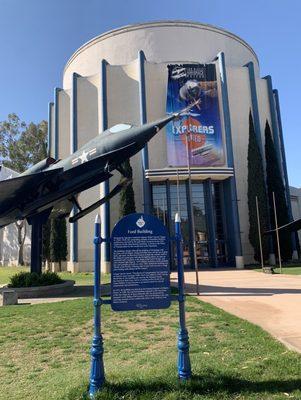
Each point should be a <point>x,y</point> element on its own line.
<point>131,75</point>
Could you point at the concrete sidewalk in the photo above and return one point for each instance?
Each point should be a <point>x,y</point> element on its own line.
<point>271,301</point>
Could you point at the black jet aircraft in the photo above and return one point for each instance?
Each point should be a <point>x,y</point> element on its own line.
<point>51,186</point>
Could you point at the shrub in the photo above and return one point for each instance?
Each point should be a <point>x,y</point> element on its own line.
<point>275,184</point>
<point>29,279</point>
<point>127,195</point>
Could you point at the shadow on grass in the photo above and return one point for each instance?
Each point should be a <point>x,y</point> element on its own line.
<point>81,291</point>
<point>201,385</point>
<point>232,291</point>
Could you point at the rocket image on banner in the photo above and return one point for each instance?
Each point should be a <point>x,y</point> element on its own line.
<point>197,83</point>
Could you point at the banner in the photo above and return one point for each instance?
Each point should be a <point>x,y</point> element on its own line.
<point>201,126</point>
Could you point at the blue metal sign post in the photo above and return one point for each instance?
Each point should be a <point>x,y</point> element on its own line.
<point>140,281</point>
<point>184,367</point>
<point>97,376</point>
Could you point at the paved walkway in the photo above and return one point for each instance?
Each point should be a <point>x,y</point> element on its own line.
<point>271,301</point>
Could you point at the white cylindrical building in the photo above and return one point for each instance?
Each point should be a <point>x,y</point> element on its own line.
<point>122,76</point>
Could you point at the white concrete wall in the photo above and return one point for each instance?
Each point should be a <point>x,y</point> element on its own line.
<point>64,123</point>
<point>240,105</point>
<point>64,139</point>
<point>162,43</point>
<point>9,245</point>
<point>279,141</point>
<point>87,128</point>
<point>123,106</point>
<point>296,205</point>
<point>166,41</point>
<point>156,76</point>
<point>63,120</point>
<point>263,106</point>
<point>52,129</point>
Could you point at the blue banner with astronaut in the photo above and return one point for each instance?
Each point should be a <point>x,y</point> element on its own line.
<point>200,127</point>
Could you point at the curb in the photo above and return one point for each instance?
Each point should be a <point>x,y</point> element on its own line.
<point>43,291</point>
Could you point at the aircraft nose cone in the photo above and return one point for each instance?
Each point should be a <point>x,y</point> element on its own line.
<point>135,138</point>
<point>149,130</point>
<point>163,122</point>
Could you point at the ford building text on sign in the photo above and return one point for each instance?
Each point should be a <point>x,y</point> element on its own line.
<point>140,264</point>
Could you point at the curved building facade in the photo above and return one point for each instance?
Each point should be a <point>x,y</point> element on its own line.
<point>124,76</point>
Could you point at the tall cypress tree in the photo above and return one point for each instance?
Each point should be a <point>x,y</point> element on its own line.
<point>63,240</point>
<point>58,240</point>
<point>256,187</point>
<point>275,184</point>
<point>127,196</point>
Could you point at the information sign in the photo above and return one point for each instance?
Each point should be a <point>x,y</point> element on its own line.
<point>140,264</point>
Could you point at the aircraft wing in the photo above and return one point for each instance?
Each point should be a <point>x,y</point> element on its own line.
<point>11,189</point>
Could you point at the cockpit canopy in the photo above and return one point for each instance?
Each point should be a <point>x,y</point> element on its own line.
<point>120,127</point>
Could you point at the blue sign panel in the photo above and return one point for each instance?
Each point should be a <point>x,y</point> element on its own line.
<point>140,264</point>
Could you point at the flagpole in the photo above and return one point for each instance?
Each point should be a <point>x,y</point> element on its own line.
<point>179,213</point>
<point>259,231</point>
<point>192,215</point>
<point>178,192</point>
<point>164,217</point>
<point>277,233</point>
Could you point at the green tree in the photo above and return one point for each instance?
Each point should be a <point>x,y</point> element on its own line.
<point>22,146</point>
<point>257,187</point>
<point>275,184</point>
<point>10,131</point>
<point>58,241</point>
<point>127,196</point>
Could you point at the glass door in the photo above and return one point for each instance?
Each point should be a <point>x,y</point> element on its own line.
<point>160,202</point>
<point>200,223</point>
<point>221,245</point>
<point>178,203</point>
<point>165,207</point>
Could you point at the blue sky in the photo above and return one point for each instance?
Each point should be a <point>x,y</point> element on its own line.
<point>38,36</point>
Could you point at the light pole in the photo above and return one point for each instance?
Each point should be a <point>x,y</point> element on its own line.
<point>259,232</point>
<point>277,233</point>
<point>164,217</point>
<point>97,375</point>
<point>184,367</point>
<point>191,213</point>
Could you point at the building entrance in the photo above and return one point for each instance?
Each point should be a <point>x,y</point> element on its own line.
<point>169,197</point>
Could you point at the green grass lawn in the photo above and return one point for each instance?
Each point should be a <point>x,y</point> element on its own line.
<point>80,278</point>
<point>84,278</point>
<point>7,272</point>
<point>292,269</point>
<point>45,355</point>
